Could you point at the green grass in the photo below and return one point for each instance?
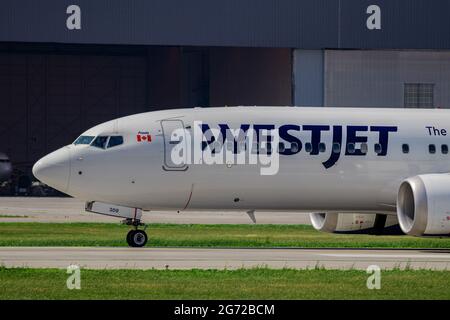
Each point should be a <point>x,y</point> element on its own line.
<point>223,284</point>
<point>162,235</point>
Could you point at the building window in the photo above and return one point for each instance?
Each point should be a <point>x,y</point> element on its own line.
<point>419,95</point>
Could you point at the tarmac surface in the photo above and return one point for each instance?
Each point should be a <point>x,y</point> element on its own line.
<point>188,258</point>
<point>34,209</point>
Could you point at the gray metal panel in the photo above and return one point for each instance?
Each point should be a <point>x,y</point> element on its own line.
<point>377,78</point>
<point>405,24</point>
<point>307,24</point>
<point>262,23</point>
<point>308,77</point>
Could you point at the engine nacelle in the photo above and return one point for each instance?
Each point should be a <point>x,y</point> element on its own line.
<point>347,223</point>
<point>423,205</point>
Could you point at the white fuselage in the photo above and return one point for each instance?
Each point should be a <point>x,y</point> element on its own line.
<point>140,173</point>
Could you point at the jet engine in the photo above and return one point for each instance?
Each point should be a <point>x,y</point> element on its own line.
<point>348,223</point>
<point>423,205</point>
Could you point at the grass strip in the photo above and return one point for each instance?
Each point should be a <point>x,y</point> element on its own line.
<point>260,283</point>
<point>185,235</point>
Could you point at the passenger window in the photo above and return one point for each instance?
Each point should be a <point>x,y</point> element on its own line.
<point>351,148</point>
<point>432,148</point>
<point>444,149</point>
<point>336,147</point>
<point>84,140</point>
<point>100,142</point>
<point>308,147</point>
<point>322,147</point>
<point>378,149</point>
<point>364,148</point>
<point>115,141</point>
<point>294,147</point>
<point>255,148</point>
<point>242,146</point>
<point>405,148</point>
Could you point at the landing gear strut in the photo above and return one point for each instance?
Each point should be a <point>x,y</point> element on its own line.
<point>136,238</point>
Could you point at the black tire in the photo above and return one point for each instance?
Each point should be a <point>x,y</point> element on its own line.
<point>130,234</point>
<point>137,238</point>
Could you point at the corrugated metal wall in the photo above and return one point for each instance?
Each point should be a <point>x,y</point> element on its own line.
<point>377,78</point>
<point>306,24</point>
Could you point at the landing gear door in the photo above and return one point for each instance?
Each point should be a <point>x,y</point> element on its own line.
<point>175,145</point>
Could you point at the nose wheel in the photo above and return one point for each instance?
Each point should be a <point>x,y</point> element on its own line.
<point>136,238</point>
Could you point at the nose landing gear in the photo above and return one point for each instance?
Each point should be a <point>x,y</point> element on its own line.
<point>136,238</point>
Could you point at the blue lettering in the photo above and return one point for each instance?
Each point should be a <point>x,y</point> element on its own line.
<point>337,139</point>
<point>315,137</point>
<point>258,128</point>
<point>384,137</point>
<point>225,129</point>
<point>353,138</point>
<point>285,136</point>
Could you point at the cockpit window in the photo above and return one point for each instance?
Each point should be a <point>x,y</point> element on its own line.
<point>115,141</point>
<point>84,140</point>
<point>100,142</point>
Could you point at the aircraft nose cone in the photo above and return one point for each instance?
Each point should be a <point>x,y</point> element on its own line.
<point>54,169</point>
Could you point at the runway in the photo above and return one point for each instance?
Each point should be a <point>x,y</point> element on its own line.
<point>188,258</point>
<point>47,209</point>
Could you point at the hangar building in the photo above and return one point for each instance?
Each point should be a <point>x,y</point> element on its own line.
<point>68,65</point>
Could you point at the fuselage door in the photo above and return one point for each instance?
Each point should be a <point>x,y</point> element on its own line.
<point>175,145</point>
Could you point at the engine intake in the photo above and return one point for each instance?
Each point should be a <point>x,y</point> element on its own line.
<point>423,205</point>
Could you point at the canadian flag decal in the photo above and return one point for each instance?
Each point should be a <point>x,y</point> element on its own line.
<point>143,137</point>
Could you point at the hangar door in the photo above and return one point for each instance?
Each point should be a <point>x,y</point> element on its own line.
<point>47,100</point>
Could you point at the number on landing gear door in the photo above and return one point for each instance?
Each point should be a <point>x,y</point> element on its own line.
<point>114,210</point>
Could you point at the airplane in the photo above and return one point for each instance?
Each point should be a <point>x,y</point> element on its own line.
<point>5,168</point>
<point>357,170</point>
